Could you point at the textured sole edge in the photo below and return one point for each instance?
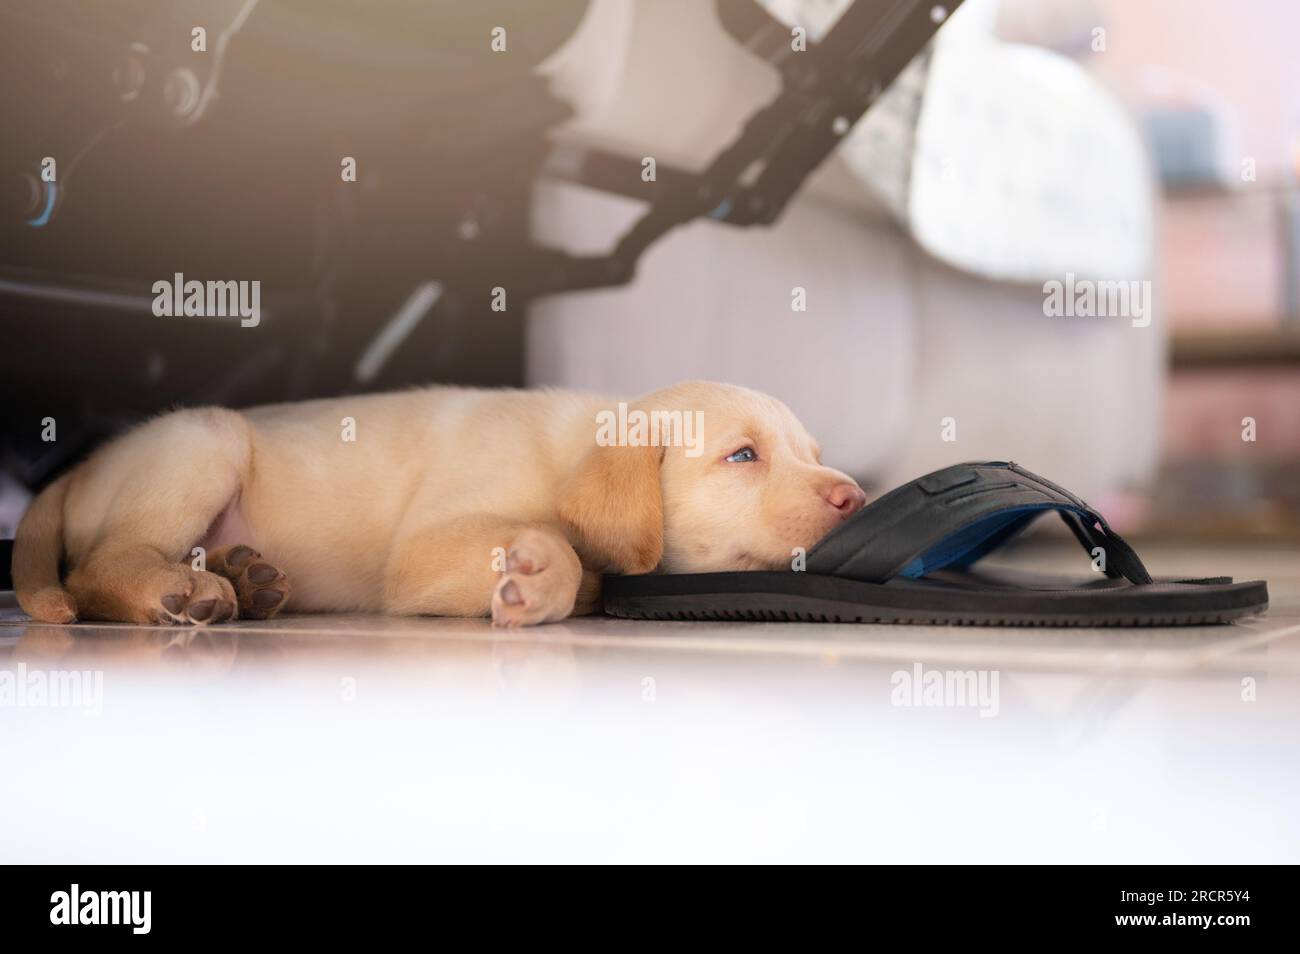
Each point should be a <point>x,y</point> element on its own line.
<point>814,598</point>
<point>764,615</point>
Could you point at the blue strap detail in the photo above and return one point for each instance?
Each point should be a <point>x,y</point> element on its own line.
<point>971,543</point>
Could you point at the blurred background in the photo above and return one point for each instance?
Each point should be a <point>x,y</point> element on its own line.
<point>1026,142</point>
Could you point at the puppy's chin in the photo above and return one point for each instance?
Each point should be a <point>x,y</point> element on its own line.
<point>722,561</point>
<point>748,561</point>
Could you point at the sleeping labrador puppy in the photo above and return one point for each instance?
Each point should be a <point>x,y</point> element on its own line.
<point>440,501</point>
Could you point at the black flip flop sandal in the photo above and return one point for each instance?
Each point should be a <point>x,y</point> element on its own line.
<point>907,558</point>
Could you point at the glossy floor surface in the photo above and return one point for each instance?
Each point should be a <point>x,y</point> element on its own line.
<point>318,738</point>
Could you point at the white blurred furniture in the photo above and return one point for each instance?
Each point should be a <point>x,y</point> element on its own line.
<point>893,340</point>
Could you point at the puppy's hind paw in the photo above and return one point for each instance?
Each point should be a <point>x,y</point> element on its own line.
<point>262,589</point>
<point>52,604</point>
<point>193,598</point>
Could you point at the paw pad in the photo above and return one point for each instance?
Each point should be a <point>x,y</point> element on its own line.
<point>261,588</point>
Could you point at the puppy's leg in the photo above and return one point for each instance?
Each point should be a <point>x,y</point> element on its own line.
<point>518,572</point>
<point>137,583</point>
<point>163,484</point>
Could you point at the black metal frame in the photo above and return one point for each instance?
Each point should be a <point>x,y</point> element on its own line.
<point>826,88</point>
<point>825,91</point>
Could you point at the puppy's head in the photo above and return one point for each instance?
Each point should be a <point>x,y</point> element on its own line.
<point>702,477</point>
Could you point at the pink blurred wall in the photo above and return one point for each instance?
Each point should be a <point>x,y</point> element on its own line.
<point>1221,253</point>
<point>1246,50</point>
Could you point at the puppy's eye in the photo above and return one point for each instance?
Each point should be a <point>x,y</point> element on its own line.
<point>742,456</point>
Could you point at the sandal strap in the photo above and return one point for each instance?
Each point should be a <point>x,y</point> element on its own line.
<point>952,517</point>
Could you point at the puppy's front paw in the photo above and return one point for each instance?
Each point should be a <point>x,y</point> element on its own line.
<point>540,582</point>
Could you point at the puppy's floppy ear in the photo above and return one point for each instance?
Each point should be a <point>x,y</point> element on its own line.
<point>614,509</point>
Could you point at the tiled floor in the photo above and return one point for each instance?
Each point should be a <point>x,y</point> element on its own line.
<point>362,738</point>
